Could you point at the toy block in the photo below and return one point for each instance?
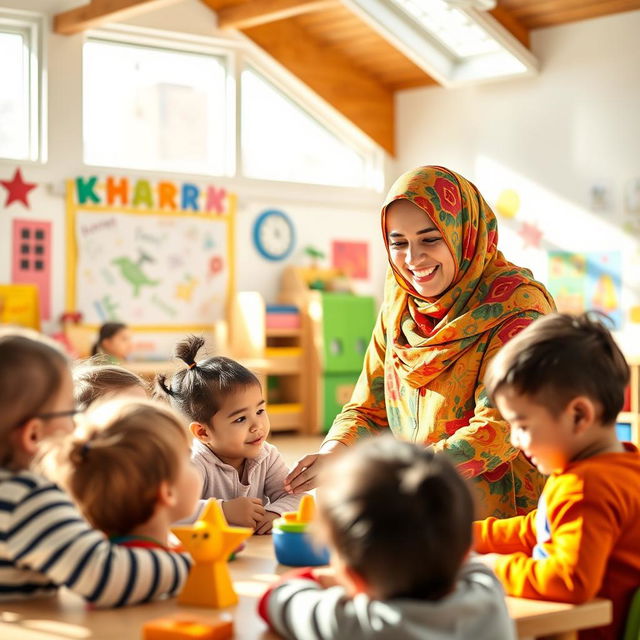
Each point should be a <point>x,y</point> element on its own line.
<point>187,629</point>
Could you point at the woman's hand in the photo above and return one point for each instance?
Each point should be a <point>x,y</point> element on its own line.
<point>304,476</point>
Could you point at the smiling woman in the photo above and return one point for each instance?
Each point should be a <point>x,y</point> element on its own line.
<point>451,301</point>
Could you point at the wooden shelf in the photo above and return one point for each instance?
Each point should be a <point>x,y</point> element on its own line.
<point>626,416</point>
<point>283,333</point>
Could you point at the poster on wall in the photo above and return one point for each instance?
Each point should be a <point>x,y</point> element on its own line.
<point>155,256</point>
<point>590,280</point>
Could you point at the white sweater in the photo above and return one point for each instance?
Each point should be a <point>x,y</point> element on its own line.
<point>262,477</point>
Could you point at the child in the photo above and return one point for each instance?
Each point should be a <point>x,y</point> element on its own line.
<point>560,383</point>
<point>129,470</point>
<point>397,519</point>
<point>229,421</point>
<point>93,382</point>
<point>114,341</point>
<point>44,542</point>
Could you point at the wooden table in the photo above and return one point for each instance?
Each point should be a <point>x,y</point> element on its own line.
<point>66,617</point>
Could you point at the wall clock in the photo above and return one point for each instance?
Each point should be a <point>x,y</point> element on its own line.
<point>274,235</point>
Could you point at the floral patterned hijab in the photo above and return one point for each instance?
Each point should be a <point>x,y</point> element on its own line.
<point>430,334</point>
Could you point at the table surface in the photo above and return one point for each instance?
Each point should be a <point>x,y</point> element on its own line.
<point>65,617</point>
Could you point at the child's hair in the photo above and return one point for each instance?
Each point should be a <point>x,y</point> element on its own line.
<point>115,461</point>
<point>107,330</point>
<point>199,390</point>
<point>559,357</point>
<point>31,372</point>
<point>93,381</point>
<point>399,515</point>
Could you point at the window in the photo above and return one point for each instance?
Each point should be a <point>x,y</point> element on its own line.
<point>450,40</point>
<point>154,108</point>
<point>281,141</point>
<point>20,81</point>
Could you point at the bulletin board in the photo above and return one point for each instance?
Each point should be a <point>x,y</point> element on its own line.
<point>157,257</point>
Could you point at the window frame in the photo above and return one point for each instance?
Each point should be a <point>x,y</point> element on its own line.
<point>239,53</point>
<point>31,26</point>
<point>176,44</point>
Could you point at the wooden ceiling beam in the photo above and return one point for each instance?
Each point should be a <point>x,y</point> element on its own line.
<point>97,12</point>
<point>259,12</point>
<point>333,76</point>
<point>512,25</point>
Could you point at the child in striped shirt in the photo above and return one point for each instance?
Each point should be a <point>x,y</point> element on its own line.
<point>44,541</point>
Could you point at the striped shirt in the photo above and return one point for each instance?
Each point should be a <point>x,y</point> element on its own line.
<point>45,543</point>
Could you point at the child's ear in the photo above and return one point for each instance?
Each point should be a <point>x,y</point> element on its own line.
<point>199,431</point>
<point>166,495</point>
<point>28,436</point>
<point>584,413</point>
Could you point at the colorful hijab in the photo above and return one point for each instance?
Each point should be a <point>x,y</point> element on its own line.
<point>430,334</point>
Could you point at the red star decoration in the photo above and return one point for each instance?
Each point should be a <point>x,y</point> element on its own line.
<point>18,189</point>
<point>530,234</point>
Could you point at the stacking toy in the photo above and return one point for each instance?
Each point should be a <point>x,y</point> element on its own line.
<point>292,543</point>
<point>210,541</point>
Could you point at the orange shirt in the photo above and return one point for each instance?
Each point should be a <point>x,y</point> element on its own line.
<point>583,540</point>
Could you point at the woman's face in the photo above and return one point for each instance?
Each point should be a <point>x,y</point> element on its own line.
<point>417,249</point>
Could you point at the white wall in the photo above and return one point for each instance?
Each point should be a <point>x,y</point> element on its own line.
<point>320,214</point>
<point>551,138</point>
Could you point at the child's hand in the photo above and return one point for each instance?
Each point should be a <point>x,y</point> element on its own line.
<point>326,576</point>
<point>266,524</point>
<point>244,512</point>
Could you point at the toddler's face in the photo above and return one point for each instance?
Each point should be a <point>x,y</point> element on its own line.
<point>241,426</point>
<point>547,440</point>
<point>63,403</point>
<point>187,488</point>
<point>118,345</point>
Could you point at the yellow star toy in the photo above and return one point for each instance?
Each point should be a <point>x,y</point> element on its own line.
<point>210,540</point>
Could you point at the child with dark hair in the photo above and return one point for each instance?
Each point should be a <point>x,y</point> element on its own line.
<point>397,519</point>
<point>560,384</point>
<point>114,342</point>
<point>226,407</point>
<point>44,541</point>
<point>93,382</point>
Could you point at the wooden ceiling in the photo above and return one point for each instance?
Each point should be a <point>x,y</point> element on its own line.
<point>335,52</point>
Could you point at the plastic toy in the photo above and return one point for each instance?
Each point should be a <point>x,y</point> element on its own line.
<point>187,629</point>
<point>293,545</point>
<point>210,541</point>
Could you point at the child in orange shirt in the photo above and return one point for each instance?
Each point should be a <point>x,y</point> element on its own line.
<point>560,384</point>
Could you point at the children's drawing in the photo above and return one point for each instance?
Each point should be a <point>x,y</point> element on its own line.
<point>152,268</point>
<point>132,272</point>
<point>593,280</point>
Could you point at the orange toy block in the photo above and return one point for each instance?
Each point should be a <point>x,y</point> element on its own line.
<point>210,541</point>
<point>187,629</point>
<point>306,511</point>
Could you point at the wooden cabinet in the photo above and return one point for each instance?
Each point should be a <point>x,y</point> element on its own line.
<point>276,356</point>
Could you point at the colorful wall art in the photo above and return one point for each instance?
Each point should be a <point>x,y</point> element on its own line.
<point>157,256</point>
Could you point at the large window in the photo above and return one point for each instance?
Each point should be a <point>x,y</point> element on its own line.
<point>281,141</point>
<point>19,87</point>
<point>153,108</point>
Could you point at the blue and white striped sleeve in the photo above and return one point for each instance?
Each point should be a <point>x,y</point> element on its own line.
<point>47,534</point>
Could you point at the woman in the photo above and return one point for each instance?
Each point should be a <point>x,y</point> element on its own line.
<point>451,300</point>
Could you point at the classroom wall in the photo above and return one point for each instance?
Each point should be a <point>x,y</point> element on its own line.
<point>320,214</point>
<point>551,139</point>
